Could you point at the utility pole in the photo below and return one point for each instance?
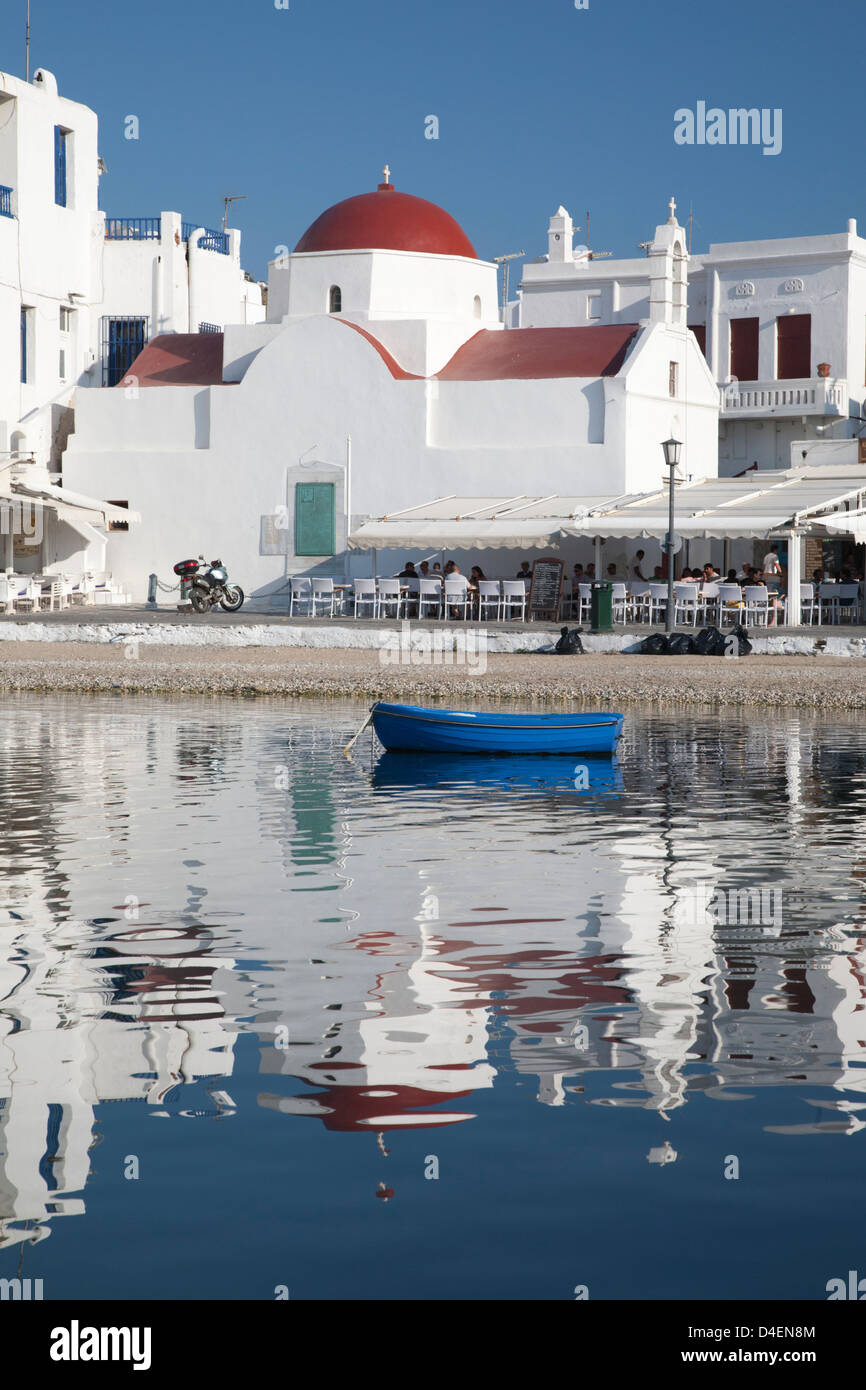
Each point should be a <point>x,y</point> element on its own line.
<point>503,261</point>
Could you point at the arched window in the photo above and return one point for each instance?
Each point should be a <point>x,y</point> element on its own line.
<point>335,300</point>
<point>476,306</point>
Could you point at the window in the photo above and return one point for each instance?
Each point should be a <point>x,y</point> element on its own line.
<point>26,344</point>
<point>744,349</point>
<point>65,319</point>
<point>593,307</point>
<point>335,300</point>
<point>61,141</point>
<point>122,340</point>
<point>315,519</point>
<point>673,374</point>
<point>700,332</point>
<point>118,525</point>
<point>793,346</point>
<point>476,306</point>
<point>61,370</point>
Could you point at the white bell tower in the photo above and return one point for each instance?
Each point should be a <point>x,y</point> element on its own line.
<point>560,236</point>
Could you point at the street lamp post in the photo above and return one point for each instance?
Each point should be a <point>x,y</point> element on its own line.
<point>672,448</point>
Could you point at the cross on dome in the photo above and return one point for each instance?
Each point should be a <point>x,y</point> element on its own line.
<point>386,172</point>
<point>673,207</point>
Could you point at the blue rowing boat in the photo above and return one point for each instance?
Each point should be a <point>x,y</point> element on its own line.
<point>412,728</point>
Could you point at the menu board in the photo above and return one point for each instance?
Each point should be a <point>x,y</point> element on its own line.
<point>545,592</point>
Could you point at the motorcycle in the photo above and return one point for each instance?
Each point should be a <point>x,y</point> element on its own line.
<point>209,586</point>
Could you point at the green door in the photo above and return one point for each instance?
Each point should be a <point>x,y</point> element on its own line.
<point>315,519</point>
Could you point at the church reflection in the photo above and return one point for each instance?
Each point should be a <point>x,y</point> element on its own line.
<point>390,965</point>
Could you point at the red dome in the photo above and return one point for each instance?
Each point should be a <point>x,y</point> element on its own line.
<point>387,221</point>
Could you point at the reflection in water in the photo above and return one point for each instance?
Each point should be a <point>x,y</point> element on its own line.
<point>403,934</point>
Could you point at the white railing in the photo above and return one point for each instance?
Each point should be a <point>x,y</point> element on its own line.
<point>806,396</point>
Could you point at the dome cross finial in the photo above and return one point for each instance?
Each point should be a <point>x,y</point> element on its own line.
<point>673,207</point>
<point>386,172</point>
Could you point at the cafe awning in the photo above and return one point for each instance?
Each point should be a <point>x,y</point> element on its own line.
<point>473,523</point>
<point>67,505</point>
<point>758,505</point>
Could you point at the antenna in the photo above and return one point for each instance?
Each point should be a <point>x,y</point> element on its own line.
<point>506,269</point>
<point>27,46</point>
<point>227,201</point>
<point>590,254</point>
<point>691,224</point>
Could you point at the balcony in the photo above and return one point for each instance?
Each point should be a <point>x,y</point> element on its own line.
<point>784,399</point>
<point>6,201</point>
<point>211,241</point>
<point>133,228</point>
<point>150,229</point>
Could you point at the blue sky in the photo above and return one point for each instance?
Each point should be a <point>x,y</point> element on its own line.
<point>538,103</point>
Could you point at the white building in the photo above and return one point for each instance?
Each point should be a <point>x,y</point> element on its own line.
<point>80,294</point>
<point>381,378</point>
<point>782,323</point>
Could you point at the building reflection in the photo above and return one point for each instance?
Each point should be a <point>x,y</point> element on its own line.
<point>380,947</point>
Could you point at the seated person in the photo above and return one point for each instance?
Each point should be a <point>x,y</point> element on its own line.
<point>525,571</point>
<point>710,574</point>
<point>731,577</point>
<point>578,576</point>
<point>475,574</point>
<point>687,577</point>
<point>590,573</point>
<point>424,570</point>
<point>611,573</point>
<point>637,567</point>
<point>408,571</point>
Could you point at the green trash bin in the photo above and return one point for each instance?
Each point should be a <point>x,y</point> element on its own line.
<point>601,609</point>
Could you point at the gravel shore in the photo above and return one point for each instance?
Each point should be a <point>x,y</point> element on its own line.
<point>790,682</point>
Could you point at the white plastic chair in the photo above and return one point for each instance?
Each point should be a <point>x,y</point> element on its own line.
<point>757,601</point>
<point>26,592</point>
<point>430,596</point>
<point>847,602</point>
<point>456,595</point>
<point>807,603</point>
<point>489,596</point>
<point>7,595</point>
<point>390,596</point>
<point>658,602</point>
<point>708,602</point>
<point>828,602</point>
<point>639,599</point>
<point>513,596</point>
<point>686,602</point>
<point>301,593</point>
<point>365,595</point>
<point>323,592</point>
<point>619,601</point>
<point>585,608</point>
<point>729,604</point>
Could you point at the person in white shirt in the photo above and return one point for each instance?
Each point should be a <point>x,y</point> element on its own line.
<point>771,565</point>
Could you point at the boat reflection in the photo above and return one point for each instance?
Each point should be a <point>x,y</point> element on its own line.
<point>538,774</point>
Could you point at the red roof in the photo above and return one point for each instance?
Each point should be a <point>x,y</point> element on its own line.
<point>179,359</point>
<point>530,354</point>
<point>387,221</point>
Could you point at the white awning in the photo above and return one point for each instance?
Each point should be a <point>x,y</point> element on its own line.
<point>852,523</point>
<point>67,505</point>
<point>729,508</point>
<point>473,523</point>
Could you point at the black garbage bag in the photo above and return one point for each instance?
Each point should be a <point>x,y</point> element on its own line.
<point>681,644</point>
<point>569,643</point>
<point>654,645</point>
<point>710,642</point>
<point>741,635</point>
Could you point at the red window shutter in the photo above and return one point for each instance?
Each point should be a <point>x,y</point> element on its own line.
<point>793,346</point>
<point>700,332</point>
<point>744,349</point>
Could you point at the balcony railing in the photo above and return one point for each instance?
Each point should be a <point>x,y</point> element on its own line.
<point>808,396</point>
<point>211,241</point>
<point>6,201</point>
<point>133,228</point>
